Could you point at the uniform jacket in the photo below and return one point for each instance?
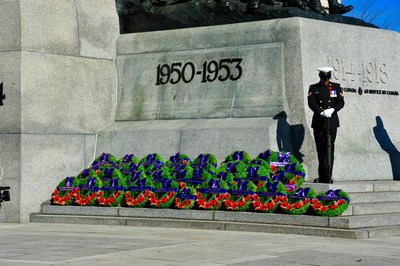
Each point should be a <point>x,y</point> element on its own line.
<point>321,97</point>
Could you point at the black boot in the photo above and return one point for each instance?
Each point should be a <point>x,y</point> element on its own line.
<point>274,2</point>
<point>316,6</point>
<point>299,3</point>
<point>336,8</point>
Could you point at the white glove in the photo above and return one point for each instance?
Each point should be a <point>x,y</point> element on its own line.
<point>329,112</point>
<point>323,114</point>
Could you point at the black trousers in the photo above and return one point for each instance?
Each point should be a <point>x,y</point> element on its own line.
<point>320,137</point>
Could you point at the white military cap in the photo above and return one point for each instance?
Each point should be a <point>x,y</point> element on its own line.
<point>325,69</point>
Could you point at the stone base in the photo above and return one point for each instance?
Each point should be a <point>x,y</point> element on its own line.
<point>279,62</point>
<point>195,136</point>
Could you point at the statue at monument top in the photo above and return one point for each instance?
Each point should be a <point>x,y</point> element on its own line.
<point>334,7</point>
<point>155,15</point>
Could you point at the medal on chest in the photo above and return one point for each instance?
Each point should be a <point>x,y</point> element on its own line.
<point>332,92</point>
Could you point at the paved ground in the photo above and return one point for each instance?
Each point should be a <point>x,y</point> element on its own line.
<point>62,244</point>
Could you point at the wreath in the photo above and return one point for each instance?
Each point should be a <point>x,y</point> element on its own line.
<point>178,159</point>
<point>205,161</point>
<point>280,162</point>
<point>238,155</point>
<point>268,196</point>
<point>164,193</point>
<point>295,172</point>
<point>186,198</point>
<point>288,179</point>
<point>241,195</point>
<point>105,160</point>
<point>179,171</point>
<point>152,162</point>
<point>211,194</point>
<point>63,194</point>
<point>86,193</point>
<point>263,159</point>
<point>298,201</point>
<point>132,170</point>
<point>330,203</point>
<point>138,191</point>
<point>231,170</point>
<point>127,159</point>
<point>112,190</point>
<point>255,173</point>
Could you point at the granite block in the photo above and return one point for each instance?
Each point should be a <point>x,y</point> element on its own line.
<point>264,218</point>
<point>66,94</point>
<point>50,26</point>
<point>98,28</point>
<point>376,220</point>
<point>166,213</point>
<point>10,80</point>
<point>45,161</point>
<point>10,26</point>
<point>243,81</point>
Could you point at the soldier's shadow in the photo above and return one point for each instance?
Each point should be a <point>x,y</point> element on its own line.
<point>387,145</point>
<point>289,138</point>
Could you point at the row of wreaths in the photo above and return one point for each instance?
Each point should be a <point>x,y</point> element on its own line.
<point>271,182</point>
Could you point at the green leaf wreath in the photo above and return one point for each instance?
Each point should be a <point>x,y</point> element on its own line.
<point>268,196</point>
<point>330,203</point>
<point>298,201</point>
<point>64,193</point>
<point>211,194</point>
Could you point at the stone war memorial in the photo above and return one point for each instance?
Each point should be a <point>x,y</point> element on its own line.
<point>80,78</point>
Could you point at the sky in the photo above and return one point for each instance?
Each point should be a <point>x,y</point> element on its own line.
<point>385,7</point>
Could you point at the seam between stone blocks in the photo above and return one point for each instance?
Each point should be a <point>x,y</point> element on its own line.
<point>77,25</point>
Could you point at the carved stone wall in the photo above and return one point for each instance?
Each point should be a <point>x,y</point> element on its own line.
<point>57,70</point>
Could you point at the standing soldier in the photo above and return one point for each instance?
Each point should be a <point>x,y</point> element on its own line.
<point>325,99</point>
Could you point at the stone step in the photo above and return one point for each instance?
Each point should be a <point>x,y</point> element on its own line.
<point>365,221</point>
<point>356,226</point>
<point>202,224</point>
<point>375,208</point>
<point>374,197</point>
<point>357,186</point>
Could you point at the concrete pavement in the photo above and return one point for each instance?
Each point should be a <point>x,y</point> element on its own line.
<point>76,244</point>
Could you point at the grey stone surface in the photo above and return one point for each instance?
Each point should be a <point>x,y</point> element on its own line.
<point>140,138</point>
<point>376,220</point>
<point>66,94</point>
<point>114,221</point>
<point>10,175</point>
<point>98,28</point>
<point>360,154</point>
<point>70,27</point>
<point>387,186</point>
<point>258,91</point>
<point>165,213</point>
<point>10,72</point>
<point>370,65</point>
<point>10,22</point>
<point>76,210</point>
<point>382,207</point>
<point>45,161</point>
<point>190,136</point>
<point>375,197</point>
<point>58,74</point>
<point>68,244</point>
<point>267,218</point>
<point>42,19</point>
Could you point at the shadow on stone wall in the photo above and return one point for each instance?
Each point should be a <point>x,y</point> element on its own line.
<point>289,137</point>
<point>154,15</point>
<point>387,145</point>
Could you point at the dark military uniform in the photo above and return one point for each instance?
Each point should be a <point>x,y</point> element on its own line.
<point>321,97</point>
